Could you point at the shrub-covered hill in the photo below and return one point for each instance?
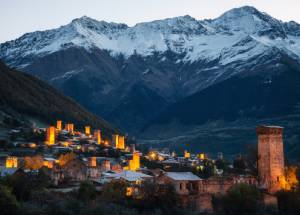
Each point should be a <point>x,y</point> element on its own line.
<point>24,97</point>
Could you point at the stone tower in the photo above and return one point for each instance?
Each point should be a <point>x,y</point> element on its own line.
<point>50,136</point>
<point>270,157</point>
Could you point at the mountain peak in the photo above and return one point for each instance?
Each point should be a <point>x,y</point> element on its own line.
<point>249,20</point>
<point>243,10</point>
<point>95,25</point>
<point>83,18</point>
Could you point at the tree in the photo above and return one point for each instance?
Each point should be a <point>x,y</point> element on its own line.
<point>252,159</point>
<point>115,191</point>
<point>153,195</point>
<point>239,165</point>
<point>87,191</point>
<point>4,144</point>
<point>33,163</point>
<point>8,202</point>
<point>23,184</point>
<point>241,199</point>
<point>291,178</point>
<point>222,164</point>
<point>288,202</point>
<point>66,158</point>
<point>208,169</point>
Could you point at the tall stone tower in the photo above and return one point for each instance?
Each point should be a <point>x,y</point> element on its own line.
<point>270,157</point>
<point>50,136</point>
<point>97,136</point>
<point>115,140</point>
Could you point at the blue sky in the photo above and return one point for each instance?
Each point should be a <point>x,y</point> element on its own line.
<point>21,16</point>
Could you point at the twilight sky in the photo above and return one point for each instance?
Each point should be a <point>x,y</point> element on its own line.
<point>21,16</point>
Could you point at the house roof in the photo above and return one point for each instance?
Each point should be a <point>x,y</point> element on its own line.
<point>7,171</point>
<point>129,175</point>
<point>182,176</point>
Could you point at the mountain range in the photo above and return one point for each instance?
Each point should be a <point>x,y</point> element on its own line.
<point>177,82</point>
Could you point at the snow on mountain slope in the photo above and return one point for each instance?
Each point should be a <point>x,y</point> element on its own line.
<point>197,40</point>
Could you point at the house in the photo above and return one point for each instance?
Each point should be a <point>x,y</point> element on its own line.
<point>185,183</point>
<point>75,170</point>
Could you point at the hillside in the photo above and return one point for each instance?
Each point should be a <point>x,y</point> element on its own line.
<point>24,97</point>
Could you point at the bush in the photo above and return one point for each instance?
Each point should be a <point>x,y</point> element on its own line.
<point>87,191</point>
<point>8,202</point>
<point>241,199</point>
<point>288,202</point>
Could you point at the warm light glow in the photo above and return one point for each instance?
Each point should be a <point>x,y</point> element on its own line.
<point>32,145</point>
<point>106,143</point>
<point>48,164</point>
<point>152,155</point>
<point>127,149</point>
<point>201,156</point>
<point>129,191</point>
<point>50,137</point>
<point>58,125</point>
<point>289,181</point>
<point>65,144</point>
<point>187,154</point>
<point>97,136</point>
<point>11,162</point>
<point>200,167</point>
<point>87,130</point>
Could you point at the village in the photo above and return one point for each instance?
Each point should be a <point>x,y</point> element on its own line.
<point>69,156</point>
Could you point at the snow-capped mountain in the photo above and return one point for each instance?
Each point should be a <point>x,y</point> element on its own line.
<point>130,75</point>
<point>196,39</point>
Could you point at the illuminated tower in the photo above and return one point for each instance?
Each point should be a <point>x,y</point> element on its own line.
<point>87,130</point>
<point>58,125</point>
<point>134,164</point>
<point>11,162</point>
<point>97,136</point>
<point>270,157</point>
<point>187,154</point>
<point>115,140</point>
<point>121,142</point>
<point>50,138</point>
<point>92,161</point>
<point>70,128</point>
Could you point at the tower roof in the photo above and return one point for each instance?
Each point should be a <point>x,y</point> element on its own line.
<point>269,129</point>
